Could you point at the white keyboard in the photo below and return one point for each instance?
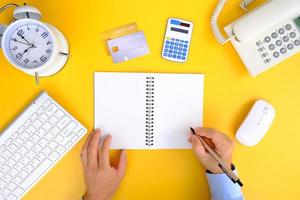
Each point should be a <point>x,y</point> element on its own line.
<point>33,144</point>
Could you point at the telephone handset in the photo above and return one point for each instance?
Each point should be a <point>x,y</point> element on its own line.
<point>265,36</point>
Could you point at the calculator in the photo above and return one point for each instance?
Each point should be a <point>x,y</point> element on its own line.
<point>177,40</point>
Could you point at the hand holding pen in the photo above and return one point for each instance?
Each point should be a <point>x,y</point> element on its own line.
<point>214,150</point>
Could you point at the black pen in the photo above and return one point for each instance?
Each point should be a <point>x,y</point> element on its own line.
<point>221,163</point>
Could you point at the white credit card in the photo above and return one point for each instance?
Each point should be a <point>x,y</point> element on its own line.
<point>128,47</point>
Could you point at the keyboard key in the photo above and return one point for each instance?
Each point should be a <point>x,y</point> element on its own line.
<point>23,174</point>
<point>18,191</point>
<point>21,129</point>
<point>35,138</point>
<point>29,168</point>
<point>16,156</point>
<point>81,132</point>
<point>5,192</point>
<point>34,116</point>
<point>19,166</point>
<point>36,124</point>
<point>49,136</point>
<point>17,180</point>
<point>52,108</point>
<point>61,150</point>
<point>43,142</point>
<point>13,172</point>
<point>41,157</point>
<point>47,151</point>
<point>31,155</point>
<point>47,126</point>
<point>54,156</point>
<point>28,144</point>
<point>59,139</point>
<point>63,123</point>
<point>47,103</point>
<point>12,197</point>
<point>40,110</point>
<point>43,117</point>
<point>68,129</point>
<point>53,145</point>
<point>23,150</point>
<point>35,163</point>
<point>11,186</point>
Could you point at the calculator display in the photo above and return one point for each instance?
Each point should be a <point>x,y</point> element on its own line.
<point>179,30</point>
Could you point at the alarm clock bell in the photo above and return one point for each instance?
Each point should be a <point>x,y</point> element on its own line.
<point>52,62</point>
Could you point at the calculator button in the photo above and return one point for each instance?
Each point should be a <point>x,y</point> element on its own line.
<point>172,39</point>
<point>293,35</point>
<point>175,52</point>
<point>176,48</point>
<point>267,39</point>
<point>283,50</point>
<point>274,35</point>
<point>179,53</point>
<point>172,43</point>
<point>165,54</point>
<point>167,42</point>
<point>181,41</point>
<point>176,44</point>
<point>288,27</point>
<point>178,57</point>
<point>170,55</point>
<point>183,58</point>
<point>171,47</point>
<point>185,46</point>
<point>286,38</point>
<point>174,56</point>
<point>166,50</point>
<point>278,42</point>
<point>186,41</point>
<point>290,46</point>
<point>276,54</point>
<point>170,51</point>
<point>281,31</point>
<point>271,47</point>
<point>297,42</point>
<point>183,54</point>
<point>167,46</point>
<point>177,40</point>
<point>181,45</point>
<point>184,50</point>
<point>180,49</point>
<point>258,44</point>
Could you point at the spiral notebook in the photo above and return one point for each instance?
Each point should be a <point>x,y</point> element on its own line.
<point>148,110</point>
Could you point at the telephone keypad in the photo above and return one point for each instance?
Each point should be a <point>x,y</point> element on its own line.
<point>279,42</point>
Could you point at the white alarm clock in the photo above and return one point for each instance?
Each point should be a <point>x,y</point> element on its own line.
<point>35,47</point>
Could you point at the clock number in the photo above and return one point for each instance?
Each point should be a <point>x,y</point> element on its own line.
<point>19,56</point>
<point>44,35</point>
<point>20,32</point>
<point>35,61</point>
<point>48,51</point>
<point>43,58</point>
<point>15,48</point>
<point>26,61</point>
<point>37,30</point>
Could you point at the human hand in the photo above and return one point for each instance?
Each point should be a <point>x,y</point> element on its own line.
<point>219,142</point>
<point>100,178</point>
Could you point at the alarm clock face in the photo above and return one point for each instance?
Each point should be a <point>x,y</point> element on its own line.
<point>27,44</point>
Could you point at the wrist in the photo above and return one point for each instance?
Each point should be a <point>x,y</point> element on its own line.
<point>218,170</point>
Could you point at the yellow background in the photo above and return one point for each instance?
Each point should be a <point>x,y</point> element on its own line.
<point>269,170</point>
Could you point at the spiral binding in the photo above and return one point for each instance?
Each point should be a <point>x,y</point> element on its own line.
<point>149,139</point>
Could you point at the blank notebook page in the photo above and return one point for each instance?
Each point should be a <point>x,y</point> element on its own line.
<point>148,111</point>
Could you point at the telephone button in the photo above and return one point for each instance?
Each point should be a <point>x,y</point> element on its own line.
<point>290,46</point>
<point>271,47</point>
<point>267,39</point>
<point>286,38</point>
<point>297,42</point>
<point>276,54</point>
<point>283,50</point>
<point>288,27</point>
<point>281,31</point>
<point>293,34</point>
<point>274,35</point>
<point>278,42</point>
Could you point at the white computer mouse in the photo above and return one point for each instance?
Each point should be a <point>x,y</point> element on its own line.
<point>256,124</point>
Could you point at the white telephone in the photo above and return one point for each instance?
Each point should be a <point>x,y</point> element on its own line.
<point>265,36</point>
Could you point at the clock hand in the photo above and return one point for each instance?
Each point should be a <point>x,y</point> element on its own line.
<point>25,39</point>
<point>15,40</point>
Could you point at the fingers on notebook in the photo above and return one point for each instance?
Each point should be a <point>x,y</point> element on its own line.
<point>122,163</point>
<point>83,155</point>
<point>92,149</point>
<point>104,152</point>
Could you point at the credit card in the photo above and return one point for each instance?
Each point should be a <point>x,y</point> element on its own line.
<point>118,32</point>
<point>128,47</point>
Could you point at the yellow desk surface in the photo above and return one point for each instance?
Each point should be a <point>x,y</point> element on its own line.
<point>269,170</point>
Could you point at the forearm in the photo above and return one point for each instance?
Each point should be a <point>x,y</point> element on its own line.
<point>222,188</point>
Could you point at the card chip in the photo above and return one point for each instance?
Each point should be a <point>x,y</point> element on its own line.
<point>115,49</point>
